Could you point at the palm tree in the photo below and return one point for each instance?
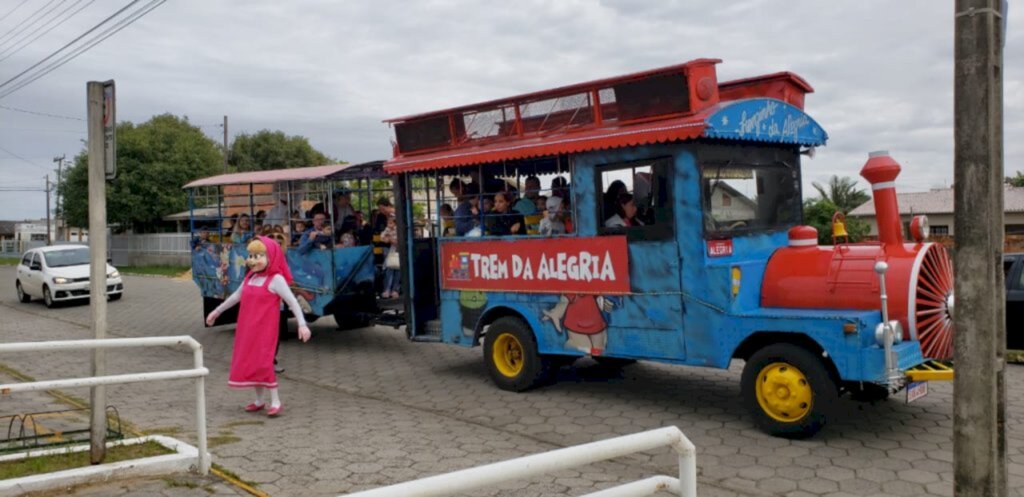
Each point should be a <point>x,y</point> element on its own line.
<point>842,192</point>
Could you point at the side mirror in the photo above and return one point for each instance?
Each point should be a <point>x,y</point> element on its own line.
<point>110,260</point>
<point>35,266</point>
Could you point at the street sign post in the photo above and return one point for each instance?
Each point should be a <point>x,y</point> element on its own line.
<point>109,130</point>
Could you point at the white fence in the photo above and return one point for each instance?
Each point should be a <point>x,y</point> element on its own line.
<point>150,249</point>
<point>197,373</point>
<point>556,460</point>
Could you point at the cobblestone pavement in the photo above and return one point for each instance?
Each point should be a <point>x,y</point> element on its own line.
<point>367,407</point>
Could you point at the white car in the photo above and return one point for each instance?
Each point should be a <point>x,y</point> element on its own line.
<point>60,273</point>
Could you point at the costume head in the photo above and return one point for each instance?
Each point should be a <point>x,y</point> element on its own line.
<point>266,256</point>
<point>554,206</point>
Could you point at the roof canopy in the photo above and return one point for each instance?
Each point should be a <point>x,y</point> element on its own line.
<point>333,171</point>
<point>675,103</point>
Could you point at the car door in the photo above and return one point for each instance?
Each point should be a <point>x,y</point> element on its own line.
<point>32,282</point>
<point>1014,271</point>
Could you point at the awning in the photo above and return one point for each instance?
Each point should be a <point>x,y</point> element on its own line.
<point>272,176</point>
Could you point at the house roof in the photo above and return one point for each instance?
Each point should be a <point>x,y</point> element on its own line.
<point>939,201</point>
<point>7,228</point>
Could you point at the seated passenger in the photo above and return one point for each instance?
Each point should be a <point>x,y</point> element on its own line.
<point>447,220</point>
<point>318,235</point>
<point>298,232</point>
<point>625,213</point>
<point>467,214</point>
<point>201,240</point>
<point>552,223</point>
<point>527,203</point>
<point>560,188</point>
<point>615,189</point>
<point>503,220</point>
<point>243,231</point>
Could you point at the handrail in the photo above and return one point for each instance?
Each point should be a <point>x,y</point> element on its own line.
<point>546,462</point>
<point>197,373</point>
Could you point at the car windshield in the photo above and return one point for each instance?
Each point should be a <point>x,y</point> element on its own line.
<point>69,257</point>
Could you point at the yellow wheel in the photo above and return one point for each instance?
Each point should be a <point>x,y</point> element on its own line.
<point>510,353</point>
<point>788,390</point>
<point>783,392</point>
<point>507,355</point>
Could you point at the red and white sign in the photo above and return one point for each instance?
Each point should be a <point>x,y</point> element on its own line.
<point>598,265</point>
<point>719,248</point>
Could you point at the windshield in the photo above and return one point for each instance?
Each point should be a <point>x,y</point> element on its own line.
<point>745,198</point>
<point>69,257</point>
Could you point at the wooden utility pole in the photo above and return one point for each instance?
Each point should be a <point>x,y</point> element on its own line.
<point>225,144</point>
<point>58,208</point>
<point>979,436</point>
<point>98,266</point>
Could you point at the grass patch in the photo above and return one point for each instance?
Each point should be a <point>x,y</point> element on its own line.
<point>235,424</point>
<point>59,462</point>
<point>232,475</point>
<point>169,431</point>
<point>222,439</point>
<point>171,271</point>
<point>9,261</point>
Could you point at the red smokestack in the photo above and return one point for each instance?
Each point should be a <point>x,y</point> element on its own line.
<point>881,171</point>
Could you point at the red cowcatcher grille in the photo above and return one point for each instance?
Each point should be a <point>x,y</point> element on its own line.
<point>933,303</point>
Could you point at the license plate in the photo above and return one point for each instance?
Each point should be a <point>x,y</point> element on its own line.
<point>916,390</point>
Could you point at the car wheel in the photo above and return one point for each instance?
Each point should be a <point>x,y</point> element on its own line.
<point>22,296</point>
<point>510,352</point>
<point>788,391</point>
<point>47,298</point>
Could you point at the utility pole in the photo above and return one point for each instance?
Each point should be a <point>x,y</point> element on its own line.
<point>98,265</point>
<point>48,242</point>
<point>979,402</point>
<point>225,144</point>
<point>61,235</point>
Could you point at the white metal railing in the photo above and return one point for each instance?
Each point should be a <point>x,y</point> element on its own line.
<point>198,373</point>
<point>556,460</point>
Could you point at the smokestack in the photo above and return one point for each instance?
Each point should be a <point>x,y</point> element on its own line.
<point>881,171</point>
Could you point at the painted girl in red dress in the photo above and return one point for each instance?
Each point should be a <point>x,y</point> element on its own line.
<point>582,318</point>
<point>260,294</point>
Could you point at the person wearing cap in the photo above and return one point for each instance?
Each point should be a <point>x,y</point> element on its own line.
<point>342,207</point>
<point>278,215</point>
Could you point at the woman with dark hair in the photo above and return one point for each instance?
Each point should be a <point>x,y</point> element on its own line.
<point>615,189</point>
<point>625,213</point>
<point>503,220</point>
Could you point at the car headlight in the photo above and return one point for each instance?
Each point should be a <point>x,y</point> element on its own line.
<point>897,333</point>
<point>59,281</point>
<point>114,274</point>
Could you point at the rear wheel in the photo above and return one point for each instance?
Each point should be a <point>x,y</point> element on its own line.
<point>788,391</point>
<point>47,297</point>
<point>22,296</point>
<point>510,353</point>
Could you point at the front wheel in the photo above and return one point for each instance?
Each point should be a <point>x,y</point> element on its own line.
<point>510,353</point>
<point>22,296</point>
<point>47,297</point>
<point>788,391</point>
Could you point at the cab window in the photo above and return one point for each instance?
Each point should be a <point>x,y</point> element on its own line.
<point>633,198</point>
<point>740,198</point>
<point>27,260</point>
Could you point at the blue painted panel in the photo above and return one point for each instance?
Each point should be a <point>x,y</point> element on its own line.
<point>205,266</point>
<point>764,120</point>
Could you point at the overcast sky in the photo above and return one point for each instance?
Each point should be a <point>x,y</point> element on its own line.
<point>332,71</point>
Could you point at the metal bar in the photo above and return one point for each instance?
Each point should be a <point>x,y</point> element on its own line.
<point>647,486</point>
<point>546,462</point>
<point>106,343</point>
<point>117,379</point>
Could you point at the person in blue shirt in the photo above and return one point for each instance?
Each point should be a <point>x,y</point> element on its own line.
<point>317,235</point>
<point>467,214</point>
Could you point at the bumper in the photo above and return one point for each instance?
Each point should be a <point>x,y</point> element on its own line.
<point>80,290</point>
<point>931,371</point>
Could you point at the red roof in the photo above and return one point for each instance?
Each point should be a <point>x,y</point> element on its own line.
<point>683,128</point>
<point>258,177</point>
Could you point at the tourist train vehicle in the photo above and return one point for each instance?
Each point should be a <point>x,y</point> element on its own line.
<point>653,216</point>
<point>713,264</point>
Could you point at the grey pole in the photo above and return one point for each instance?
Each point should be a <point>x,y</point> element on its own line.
<point>57,206</point>
<point>225,144</point>
<point>979,459</point>
<point>48,242</point>
<point>97,268</point>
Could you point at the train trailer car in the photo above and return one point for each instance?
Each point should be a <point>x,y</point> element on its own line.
<point>658,216</point>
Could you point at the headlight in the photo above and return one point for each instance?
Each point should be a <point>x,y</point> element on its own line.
<point>897,333</point>
<point>114,274</point>
<point>59,281</point>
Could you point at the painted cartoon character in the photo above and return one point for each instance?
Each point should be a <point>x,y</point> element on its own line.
<point>582,318</point>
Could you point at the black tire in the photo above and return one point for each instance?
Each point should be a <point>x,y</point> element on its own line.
<point>802,396</point>
<point>48,298</point>
<point>351,320</point>
<point>22,296</point>
<point>115,296</point>
<point>614,362</point>
<point>868,392</point>
<point>511,357</point>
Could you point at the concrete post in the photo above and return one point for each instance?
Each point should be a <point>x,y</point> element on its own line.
<point>97,267</point>
<point>978,462</point>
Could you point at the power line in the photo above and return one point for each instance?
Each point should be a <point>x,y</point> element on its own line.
<point>12,10</point>
<point>73,14</point>
<point>26,25</point>
<point>30,16</point>
<point>22,158</point>
<point>45,114</point>
<point>123,23</point>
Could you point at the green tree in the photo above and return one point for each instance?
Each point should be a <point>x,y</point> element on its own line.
<point>273,150</point>
<point>843,193</point>
<point>154,160</point>
<point>1015,180</point>
<point>818,212</point>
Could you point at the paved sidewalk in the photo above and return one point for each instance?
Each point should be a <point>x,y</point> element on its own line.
<point>367,408</point>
